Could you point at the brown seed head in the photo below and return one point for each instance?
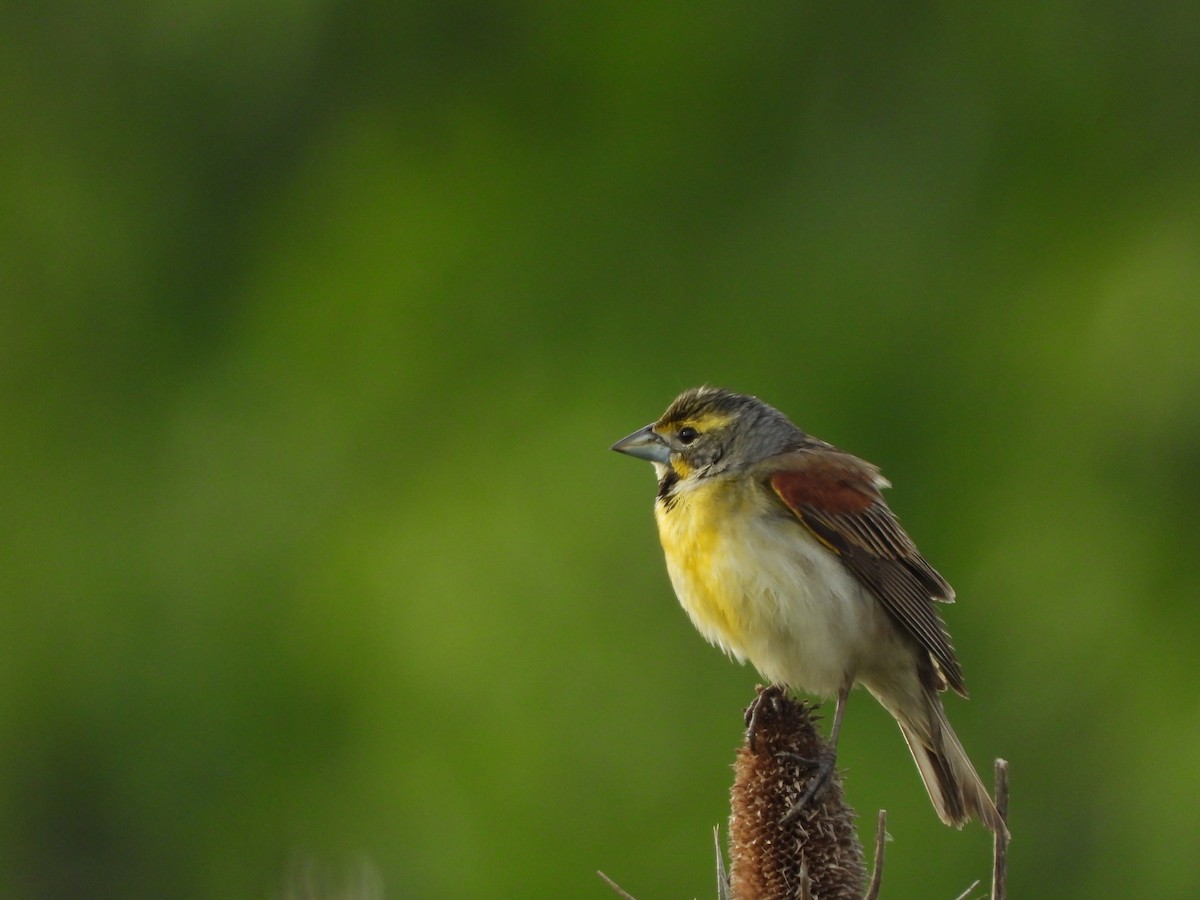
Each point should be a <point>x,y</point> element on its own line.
<point>769,849</point>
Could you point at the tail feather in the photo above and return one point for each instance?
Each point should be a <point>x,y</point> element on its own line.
<point>953,785</point>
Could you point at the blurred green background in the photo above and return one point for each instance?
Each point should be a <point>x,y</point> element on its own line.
<point>317,321</point>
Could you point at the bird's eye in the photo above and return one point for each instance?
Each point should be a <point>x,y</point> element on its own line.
<point>687,434</point>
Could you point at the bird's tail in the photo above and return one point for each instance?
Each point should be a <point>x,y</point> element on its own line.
<point>953,785</point>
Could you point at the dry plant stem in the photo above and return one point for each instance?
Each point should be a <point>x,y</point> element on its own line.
<point>1000,845</point>
<point>620,892</point>
<point>877,873</point>
<point>722,875</point>
<point>1000,853</point>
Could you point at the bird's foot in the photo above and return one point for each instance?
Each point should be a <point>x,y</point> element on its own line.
<point>817,783</point>
<point>768,695</point>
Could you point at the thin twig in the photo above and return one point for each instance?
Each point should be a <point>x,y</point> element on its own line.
<point>877,873</point>
<point>723,887</point>
<point>963,896</point>
<point>805,883</point>
<point>1000,853</point>
<point>616,887</point>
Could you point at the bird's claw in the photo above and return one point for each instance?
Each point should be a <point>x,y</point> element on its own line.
<point>817,783</point>
<point>769,694</point>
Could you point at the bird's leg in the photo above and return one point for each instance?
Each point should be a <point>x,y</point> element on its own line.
<point>827,763</point>
<point>839,711</point>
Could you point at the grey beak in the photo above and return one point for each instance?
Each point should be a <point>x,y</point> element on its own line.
<point>644,444</point>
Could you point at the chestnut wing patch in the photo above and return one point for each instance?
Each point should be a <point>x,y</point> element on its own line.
<point>836,497</point>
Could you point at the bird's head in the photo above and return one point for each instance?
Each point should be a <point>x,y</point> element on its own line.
<point>709,431</point>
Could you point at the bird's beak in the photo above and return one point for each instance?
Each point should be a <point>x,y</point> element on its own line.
<point>646,444</point>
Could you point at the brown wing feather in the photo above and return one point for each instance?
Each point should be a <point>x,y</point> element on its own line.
<point>836,497</point>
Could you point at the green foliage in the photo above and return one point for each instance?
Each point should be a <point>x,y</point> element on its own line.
<point>317,321</point>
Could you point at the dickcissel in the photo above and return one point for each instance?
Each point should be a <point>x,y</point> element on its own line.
<point>783,551</point>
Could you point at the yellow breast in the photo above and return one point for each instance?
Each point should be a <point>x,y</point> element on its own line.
<point>706,560</point>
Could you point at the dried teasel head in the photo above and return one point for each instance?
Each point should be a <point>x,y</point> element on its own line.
<point>774,848</point>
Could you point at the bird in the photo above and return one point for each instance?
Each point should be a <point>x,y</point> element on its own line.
<point>783,551</point>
